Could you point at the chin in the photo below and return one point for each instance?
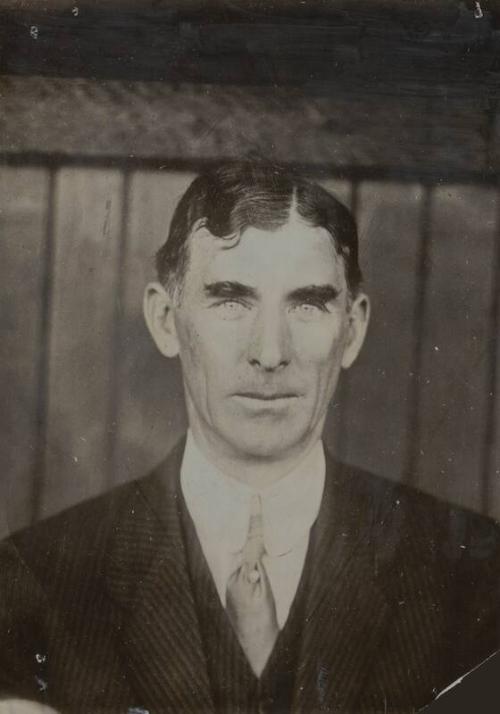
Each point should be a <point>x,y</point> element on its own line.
<point>265,443</point>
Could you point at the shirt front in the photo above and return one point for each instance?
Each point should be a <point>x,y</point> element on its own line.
<point>220,508</point>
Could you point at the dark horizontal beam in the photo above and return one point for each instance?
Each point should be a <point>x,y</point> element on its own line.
<point>356,44</point>
<point>352,173</point>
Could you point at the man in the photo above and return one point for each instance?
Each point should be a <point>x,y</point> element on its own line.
<point>250,572</point>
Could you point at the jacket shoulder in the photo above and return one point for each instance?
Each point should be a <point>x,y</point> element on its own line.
<point>404,513</point>
<point>81,533</point>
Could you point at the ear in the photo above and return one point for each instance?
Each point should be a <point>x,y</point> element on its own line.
<point>358,318</point>
<point>159,315</point>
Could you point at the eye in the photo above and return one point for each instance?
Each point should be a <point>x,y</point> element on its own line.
<point>231,309</point>
<point>309,310</point>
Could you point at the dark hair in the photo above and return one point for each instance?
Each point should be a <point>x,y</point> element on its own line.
<point>238,195</point>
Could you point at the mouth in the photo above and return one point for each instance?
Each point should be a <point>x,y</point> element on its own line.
<point>267,396</point>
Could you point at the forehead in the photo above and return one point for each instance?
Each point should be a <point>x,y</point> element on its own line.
<point>294,254</point>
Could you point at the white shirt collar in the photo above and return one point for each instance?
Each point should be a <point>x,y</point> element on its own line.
<point>220,506</point>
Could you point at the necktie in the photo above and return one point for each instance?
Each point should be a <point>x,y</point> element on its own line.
<point>249,598</point>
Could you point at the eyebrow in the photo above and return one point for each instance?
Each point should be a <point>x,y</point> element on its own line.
<point>229,289</point>
<point>315,293</point>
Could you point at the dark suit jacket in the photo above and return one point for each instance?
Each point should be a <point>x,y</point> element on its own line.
<point>97,611</point>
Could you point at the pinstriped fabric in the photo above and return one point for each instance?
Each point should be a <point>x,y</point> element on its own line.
<point>442,595</point>
<point>346,610</point>
<point>159,631</point>
<point>97,603</point>
<point>69,652</point>
<point>92,683</point>
<point>379,634</point>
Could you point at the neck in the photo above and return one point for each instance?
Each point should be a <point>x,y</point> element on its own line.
<point>256,473</point>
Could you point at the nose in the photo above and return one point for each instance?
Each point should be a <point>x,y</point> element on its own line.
<point>269,344</point>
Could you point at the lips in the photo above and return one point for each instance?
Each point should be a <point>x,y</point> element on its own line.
<point>267,396</point>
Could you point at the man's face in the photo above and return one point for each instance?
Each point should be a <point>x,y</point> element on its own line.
<point>263,328</point>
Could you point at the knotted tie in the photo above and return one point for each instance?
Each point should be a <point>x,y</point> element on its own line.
<point>249,598</point>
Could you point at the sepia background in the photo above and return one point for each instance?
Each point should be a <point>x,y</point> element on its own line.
<point>393,110</point>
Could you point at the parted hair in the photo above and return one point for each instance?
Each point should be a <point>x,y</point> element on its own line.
<point>233,196</point>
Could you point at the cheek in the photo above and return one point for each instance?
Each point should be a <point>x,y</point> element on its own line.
<point>190,345</point>
<point>206,349</point>
<point>319,360</point>
<point>225,342</point>
<point>320,344</point>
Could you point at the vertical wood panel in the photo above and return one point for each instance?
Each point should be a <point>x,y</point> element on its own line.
<point>150,413</point>
<point>492,456</point>
<point>23,206</point>
<point>87,243</point>
<point>377,385</point>
<point>494,459</point>
<point>455,353</point>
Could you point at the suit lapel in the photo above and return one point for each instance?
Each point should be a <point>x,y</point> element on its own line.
<point>346,611</point>
<point>148,578</point>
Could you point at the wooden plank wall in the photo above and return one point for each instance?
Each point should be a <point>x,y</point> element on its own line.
<point>98,405</point>
<point>86,262</point>
<point>454,375</point>
<point>149,402</point>
<point>24,208</point>
<point>376,403</point>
